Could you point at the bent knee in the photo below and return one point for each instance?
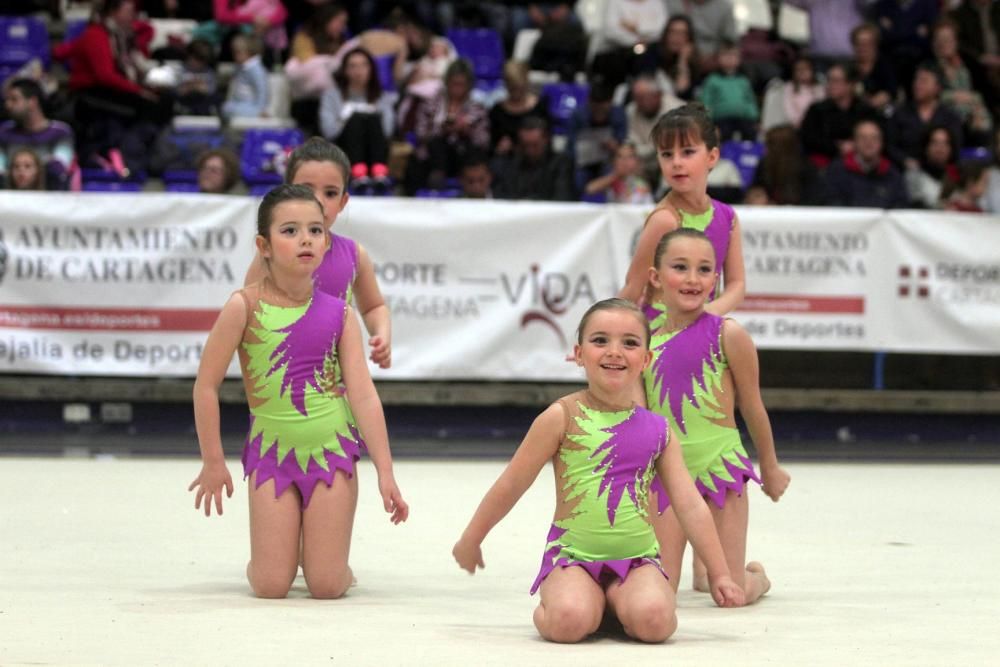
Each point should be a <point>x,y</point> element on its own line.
<point>272,589</point>
<point>653,621</point>
<point>570,623</point>
<point>328,587</point>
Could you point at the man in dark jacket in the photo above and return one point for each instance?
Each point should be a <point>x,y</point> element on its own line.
<point>534,171</point>
<point>828,123</point>
<point>863,176</point>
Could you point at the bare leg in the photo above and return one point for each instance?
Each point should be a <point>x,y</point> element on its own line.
<point>645,604</point>
<point>731,522</point>
<point>274,539</point>
<point>699,574</point>
<point>572,606</point>
<point>672,541</point>
<point>326,537</point>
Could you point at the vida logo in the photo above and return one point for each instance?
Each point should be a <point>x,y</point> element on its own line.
<point>548,296</point>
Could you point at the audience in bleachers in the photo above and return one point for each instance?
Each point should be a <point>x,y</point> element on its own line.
<point>674,59</point>
<point>934,169</point>
<point>533,170</point>
<point>28,127</point>
<point>624,184</point>
<point>786,102</point>
<point>520,102</point>
<point>828,124</point>
<point>864,176</point>
<point>729,96</point>
<point>26,170</point>
<point>649,102</point>
<point>970,188</point>
<point>357,114</point>
<point>218,171</point>
<point>991,200</point>
<point>926,71</point>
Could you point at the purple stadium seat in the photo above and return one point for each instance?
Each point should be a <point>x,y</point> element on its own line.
<point>975,153</point>
<point>111,186</point>
<point>563,101</point>
<point>383,65</point>
<point>746,155</point>
<point>427,193</point>
<point>180,186</point>
<point>264,153</point>
<point>484,49</point>
<point>261,189</point>
<point>23,38</point>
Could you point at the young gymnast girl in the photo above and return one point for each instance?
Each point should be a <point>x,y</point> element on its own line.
<point>688,147</point>
<point>300,352</point>
<point>704,366</point>
<point>347,271</point>
<point>601,552</point>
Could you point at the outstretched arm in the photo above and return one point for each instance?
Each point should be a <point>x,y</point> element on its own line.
<point>659,223</point>
<point>743,364</point>
<point>696,520</point>
<point>368,412</point>
<point>733,275</point>
<point>539,445</point>
<point>374,311</point>
<point>218,352</point>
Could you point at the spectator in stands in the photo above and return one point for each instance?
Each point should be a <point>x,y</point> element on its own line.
<point>991,200</point>
<point>830,26</point>
<point>958,89</point>
<point>521,101</point>
<point>756,196</point>
<point>863,176</point>
<point>906,29</point>
<point>714,24</point>
<point>784,174</point>
<point>972,182</point>
<point>876,75</point>
<point>447,128</point>
<point>263,18</point>
<point>786,102</point>
<point>911,122</point>
<point>562,45</point>
<point>310,65</point>
<point>218,171</point>
<point>249,93</point>
<point>197,87</point>
<point>624,184</point>
<point>358,115</point>
<point>630,28</point>
<point>424,82</point>
<point>476,178</point>
<point>117,117</point>
<point>26,170</point>
<point>649,102</point>
<point>28,127</point>
<point>729,97</point>
<point>534,171</point>
<point>675,59</point>
<point>978,24</point>
<point>196,10</point>
<point>828,125</point>
<point>934,170</point>
<point>595,132</point>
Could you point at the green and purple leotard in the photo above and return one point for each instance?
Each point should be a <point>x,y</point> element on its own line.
<point>717,224</point>
<point>605,465</point>
<point>336,273</point>
<point>301,426</point>
<point>684,383</point>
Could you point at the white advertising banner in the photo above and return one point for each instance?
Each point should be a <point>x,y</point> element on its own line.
<point>118,285</point>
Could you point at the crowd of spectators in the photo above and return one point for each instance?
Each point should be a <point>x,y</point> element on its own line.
<point>881,107</point>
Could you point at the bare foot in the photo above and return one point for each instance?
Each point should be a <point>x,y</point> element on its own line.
<point>700,584</point>
<point>757,582</point>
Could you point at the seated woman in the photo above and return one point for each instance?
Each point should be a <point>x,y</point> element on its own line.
<point>958,90</point>
<point>357,114</point>
<point>934,171</point>
<point>311,62</point>
<point>521,102</point>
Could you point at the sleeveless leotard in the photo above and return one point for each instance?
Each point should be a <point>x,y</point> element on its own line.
<point>605,464</point>
<point>684,383</point>
<point>717,224</point>
<point>301,426</point>
<point>336,273</point>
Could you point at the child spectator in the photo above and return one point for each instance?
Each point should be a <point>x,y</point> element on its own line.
<point>729,97</point>
<point>624,185</point>
<point>786,102</point>
<point>197,88</point>
<point>248,89</point>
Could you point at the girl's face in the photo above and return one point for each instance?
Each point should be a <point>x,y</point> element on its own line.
<point>939,148</point>
<point>326,180</point>
<point>803,72</point>
<point>685,275</point>
<point>336,26</point>
<point>686,168</point>
<point>24,171</point>
<point>297,237</point>
<point>358,70</point>
<point>614,350</point>
<point>626,160</point>
<point>677,36</point>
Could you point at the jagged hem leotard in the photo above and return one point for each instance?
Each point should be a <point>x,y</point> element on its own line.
<point>301,426</point>
<point>683,383</point>
<point>605,465</point>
